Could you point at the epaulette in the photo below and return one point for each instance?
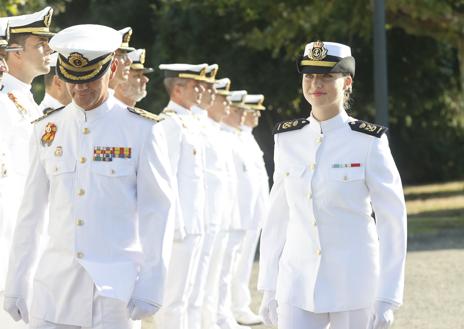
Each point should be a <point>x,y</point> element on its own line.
<point>168,111</point>
<point>49,112</point>
<point>368,128</point>
<point>289,125</point>
<point>145,114</point>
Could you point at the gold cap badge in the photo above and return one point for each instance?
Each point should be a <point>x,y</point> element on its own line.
<point>319,51</point>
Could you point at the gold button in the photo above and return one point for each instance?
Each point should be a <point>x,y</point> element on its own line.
<point>287,174</point>
<point>319,140</point>
<point>82,159</point>
<point>318,252</point>
<point>80,222</point>
<point>81,192</point>
<point>309,195</point>
<point>86,130</point>
<point>312,166</point>
<point>80,255</point>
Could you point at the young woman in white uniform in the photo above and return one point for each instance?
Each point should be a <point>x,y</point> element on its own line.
<point>326,260</point>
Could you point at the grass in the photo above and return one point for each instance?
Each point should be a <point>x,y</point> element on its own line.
<point>435,208</point>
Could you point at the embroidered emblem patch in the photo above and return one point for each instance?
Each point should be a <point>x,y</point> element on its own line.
<point>107,153</point>
<point>49,134</point>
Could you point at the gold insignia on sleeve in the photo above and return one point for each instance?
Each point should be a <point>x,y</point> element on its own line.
<point>319,51</point>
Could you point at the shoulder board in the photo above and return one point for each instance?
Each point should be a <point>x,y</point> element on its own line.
<point>168,111</point>
<point>47,112</point>
<point>368,128</point>
<point>289,125</point>
<point>145,114</point>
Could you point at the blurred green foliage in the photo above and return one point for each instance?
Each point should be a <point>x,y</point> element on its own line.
<point>256,44</point>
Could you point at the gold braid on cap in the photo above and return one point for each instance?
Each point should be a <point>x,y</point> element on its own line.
<point>77,62</point>
<point>67,70</point>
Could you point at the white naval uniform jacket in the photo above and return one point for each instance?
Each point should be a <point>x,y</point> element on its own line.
<point>16,131</point>
<point>215,173</point>
<point>320,248</point>
<point>186,156</point>
<point>236,171</point>
<point>108,225</point>
<point>254,193</point>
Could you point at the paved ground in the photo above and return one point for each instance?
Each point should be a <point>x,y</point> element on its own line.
<point>434,290</point>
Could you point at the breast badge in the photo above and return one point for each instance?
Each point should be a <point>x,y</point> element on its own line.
<point>108,153</point>
<point>49,134</point>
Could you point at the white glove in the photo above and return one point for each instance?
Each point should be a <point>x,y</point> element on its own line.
<point>268,308</point>
<point>382,315</point>
<point>17,308</point>
<point>138,309</point>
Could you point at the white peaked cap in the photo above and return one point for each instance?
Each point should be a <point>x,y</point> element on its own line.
<point>36,23</point>
<point>254,102</point>
<point>85,51</point>
<point>237,96</point>
<point>90,40</point>
<point>333,49</point>
<point>187,71</point>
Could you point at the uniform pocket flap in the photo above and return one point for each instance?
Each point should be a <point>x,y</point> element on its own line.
<point>113,168</point>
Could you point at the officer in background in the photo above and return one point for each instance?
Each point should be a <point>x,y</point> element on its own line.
<point>236,232</point>
<point>56,93</point>
<point>109,197</point>
<point>135,88</point>
<point>122,60</point>
<point>6,220</point>
<point>31,32</point>
<point>253,204</point>
<point>186,153</point>
<point>215,192</point>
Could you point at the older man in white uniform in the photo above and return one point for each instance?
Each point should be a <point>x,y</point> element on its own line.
<point>109,198</point>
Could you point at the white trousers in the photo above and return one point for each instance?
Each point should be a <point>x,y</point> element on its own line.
<point>6,321</point>
<point>107,313</point>
<point>241,296</point>
<point>197,294</point>
<point>212,283</point>
<point>292,317</point>
<point>224,309</point>
<point>182,267</point>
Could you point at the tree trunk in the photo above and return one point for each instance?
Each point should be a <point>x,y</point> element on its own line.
<point>461,61</point>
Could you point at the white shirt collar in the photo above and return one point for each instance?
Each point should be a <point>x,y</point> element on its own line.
<point>96,113</point>
<point>338,121</point>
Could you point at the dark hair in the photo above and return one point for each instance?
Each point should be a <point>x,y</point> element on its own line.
<point>18,39</point>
